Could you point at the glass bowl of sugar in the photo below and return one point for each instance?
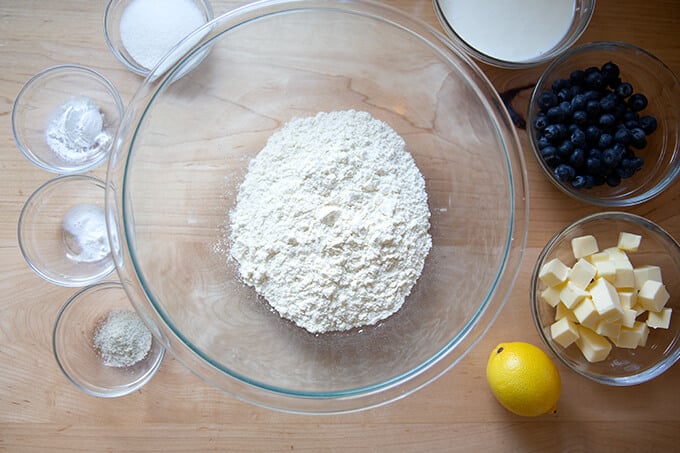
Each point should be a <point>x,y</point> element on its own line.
<point>102,345</point>
<point>140,34</point>
<point>514,33</point>
<point>62,231</point>
<point>65,117</point>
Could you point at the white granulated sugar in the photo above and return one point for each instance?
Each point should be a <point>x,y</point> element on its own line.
<point>76,132</point>
<point>150,28</point>
<point>122,339</point>
<point>331,222</point>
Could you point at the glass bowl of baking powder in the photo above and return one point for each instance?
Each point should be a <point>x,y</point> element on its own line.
<point>65,117</point>
<point>327,213</point>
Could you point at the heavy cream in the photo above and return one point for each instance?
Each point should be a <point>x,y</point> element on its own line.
<point>510,30</point>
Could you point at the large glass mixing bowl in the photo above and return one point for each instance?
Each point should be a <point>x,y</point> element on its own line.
<point>184,147</point>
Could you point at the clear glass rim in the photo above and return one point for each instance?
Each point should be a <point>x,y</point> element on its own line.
<point>25,149</point>
<point>350,399</point>
<point>531,132</point>
<point>634,379</point>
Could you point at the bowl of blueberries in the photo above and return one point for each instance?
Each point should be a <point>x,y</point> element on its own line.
<point>604,124</point>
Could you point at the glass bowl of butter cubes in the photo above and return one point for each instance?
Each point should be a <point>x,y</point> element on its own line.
<point>605,296</point>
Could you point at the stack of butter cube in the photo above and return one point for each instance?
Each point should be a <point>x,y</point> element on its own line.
<point>599,300</point>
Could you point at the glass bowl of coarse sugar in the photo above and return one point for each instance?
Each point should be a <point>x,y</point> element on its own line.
<point>325,215</point>
<point>140,33</point>
<point>65,117</point>
<point>102,345</point>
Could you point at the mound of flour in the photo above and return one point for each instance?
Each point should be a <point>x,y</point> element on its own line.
<point>331,222</point>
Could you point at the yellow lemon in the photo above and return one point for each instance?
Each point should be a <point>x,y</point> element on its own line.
<point>523,379</point>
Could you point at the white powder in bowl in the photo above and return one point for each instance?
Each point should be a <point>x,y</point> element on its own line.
<point>85,233</point>
<point>122,339</point>
<point>149,29</point>
<point>331,222</point>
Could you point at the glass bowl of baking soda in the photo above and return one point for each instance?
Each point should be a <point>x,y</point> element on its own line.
<point>327,213</point>
<point>102,345</point>
<point>62,231</point>
<point>64,119</point>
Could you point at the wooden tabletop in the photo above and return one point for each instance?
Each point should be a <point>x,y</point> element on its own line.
<point>176,411</point>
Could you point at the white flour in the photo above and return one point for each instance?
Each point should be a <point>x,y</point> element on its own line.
<point>85,233</point>
<point>331,222</point>
<point>76,132</point>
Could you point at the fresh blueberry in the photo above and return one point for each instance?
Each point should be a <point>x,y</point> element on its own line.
<point>639,138</point>
<point>613,179</point>
<point>541,121</point>
<point>552,132</point>
<point>564,172</point>
<point>593,165</point>
<point>578,102</point>
<point>577,77</point>
<point>593,109</point>
<point>631,124</point>
<point>607,121</point>
<point>605,141</point>
<point>549,155</point>
<point>575,90</point>
<point>594,80</point>
<point>593,134</point>
<point>630,116</point>
<point>577,158</point>
<point>579,117</point>
<point>592,95</point>
<point>648,124</point>
<point>624,90</point>
<point>555,114</point>
<point>565,106</point>
<point>560,84</point>
<point>542,142</point>
<point>590,181</point>
<point>637,163</point>
<point>620,110</point>
<point>624,172</point>
<point>611,158</point>
<point>546,100</point>
<point>579,182</point>
<point>637,102</point>
<point>610,71</point>
<point>564,95</point>
<point>578,138</point>
<point>623,136</point>
<point>608,102</point>
<point>565,148</point>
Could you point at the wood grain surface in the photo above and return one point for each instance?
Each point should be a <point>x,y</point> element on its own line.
<point>40,410</point>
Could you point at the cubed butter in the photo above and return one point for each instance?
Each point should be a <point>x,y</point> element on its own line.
<point>629,242</point>
<point>632,337</point>
<point>595,347</point>
<point>616,253</point>
<point>582,273</point>
<point>625,277</point>
<point>572,294</point>
<point>608,329</point>
<point>583,246</point>
<point>552,294</point>
<point>564,332</point>
<point>561,311</point>
<point>644,273</point>
<point>653,296</point>
<point>586,313</point>
<point>629,316</point>
<point>606,300</point>
<point>660,320</point>
<point>553,272</point>
<point>627,297</point>
<point>599,256</point>
<point>606,270</point>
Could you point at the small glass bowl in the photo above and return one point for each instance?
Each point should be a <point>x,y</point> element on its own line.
<point>583,11</point>
<point>660,85</point>
<point>113,15</point>
<point>40,99</point>
<point>48,249</point>
<point>73,344</point>
<point>622,367</point>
